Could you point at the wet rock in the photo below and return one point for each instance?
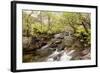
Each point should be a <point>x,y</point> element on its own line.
<point>58,41</point>
<point>60,36</point>
<point>45,47</point>
<point>53,45</point>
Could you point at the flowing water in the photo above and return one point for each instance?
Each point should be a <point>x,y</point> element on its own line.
<point>60,56</point>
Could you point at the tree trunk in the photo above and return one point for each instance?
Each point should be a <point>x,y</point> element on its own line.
<point>84,25</point>
<point>49,22</point>
<point>29,24</point>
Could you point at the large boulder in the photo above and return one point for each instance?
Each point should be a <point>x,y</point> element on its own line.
<point>86,51</point>
<point>26,42</point>
<point>68,40</point>
<point>32,43</point>
<point>86,57</point>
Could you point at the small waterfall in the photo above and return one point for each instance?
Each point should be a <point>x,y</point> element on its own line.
<point>53,56</point>
<point>54,53</point>
<point>66,55</point>
<point>60,56</point>
<point>50,60</point>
